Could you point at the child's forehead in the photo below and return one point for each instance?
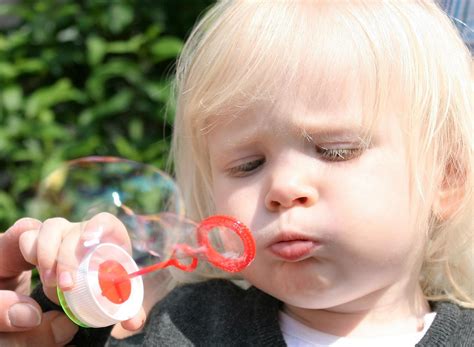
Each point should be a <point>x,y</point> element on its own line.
<point>308,101</point>
<point>319,81</point>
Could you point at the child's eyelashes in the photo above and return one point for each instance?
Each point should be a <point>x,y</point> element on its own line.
<point>340,147</point>
<point>325,153</point>
<point>338,154</point>
<point>246,168</point>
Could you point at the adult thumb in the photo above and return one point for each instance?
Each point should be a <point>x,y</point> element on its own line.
<point>18,312</point>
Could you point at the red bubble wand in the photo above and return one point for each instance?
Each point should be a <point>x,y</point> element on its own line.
<point>114,280</point>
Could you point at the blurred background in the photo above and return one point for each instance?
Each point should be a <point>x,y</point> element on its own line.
<point>91,77</point>
<point>80,78</point>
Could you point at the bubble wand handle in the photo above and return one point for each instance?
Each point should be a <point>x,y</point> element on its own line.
<point>158,266</point>
<point>214,257</point>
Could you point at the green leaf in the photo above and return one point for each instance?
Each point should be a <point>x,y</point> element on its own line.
<point>68,35</point>
<point>6,145</point>
<point>159,149</point>
<point>96,50</point>
<point>24,182</point>
<point>46,116</point>
<point>153,31</point>
<point>47,97</point>
<point>12,98</point>
<point>129,46</point>
<point>18,38</point>
<point>119,17</point>
<point>126,149</point>
<point>166,47</point>
<point>122,68</point>
<point>82,148</point>
<point>158,91</point>
<point>7,71</point>
<point>67,10</point>
<point>52,132</point>
<point>30,65</point>
<point>135,129</point>
<point>8,211</point>
<point>3,43</point>
<point>120,102</point>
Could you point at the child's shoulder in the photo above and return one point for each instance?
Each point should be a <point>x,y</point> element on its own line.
<point>453,326</point>
<point>215,312</point>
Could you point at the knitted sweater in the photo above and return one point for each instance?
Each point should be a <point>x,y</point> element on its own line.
<point>219,313</point>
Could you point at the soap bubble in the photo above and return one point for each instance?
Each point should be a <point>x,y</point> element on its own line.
<point>129,221</point>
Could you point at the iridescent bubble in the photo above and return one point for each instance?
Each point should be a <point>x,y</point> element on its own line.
<point>129,221</point>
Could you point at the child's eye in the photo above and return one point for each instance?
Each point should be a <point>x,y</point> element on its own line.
<point>338,154</point>
<point>247,168</point>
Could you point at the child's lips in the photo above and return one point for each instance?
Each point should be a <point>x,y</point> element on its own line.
<point>293,250</point>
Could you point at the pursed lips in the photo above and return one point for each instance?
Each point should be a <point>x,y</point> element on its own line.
<point>293,246</point>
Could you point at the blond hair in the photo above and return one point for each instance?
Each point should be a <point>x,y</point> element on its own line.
<point>405,52</point>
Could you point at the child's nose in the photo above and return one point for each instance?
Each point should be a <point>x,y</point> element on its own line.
<point>289,190</point>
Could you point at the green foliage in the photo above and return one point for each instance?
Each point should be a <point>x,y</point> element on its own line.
<point>80,78</point>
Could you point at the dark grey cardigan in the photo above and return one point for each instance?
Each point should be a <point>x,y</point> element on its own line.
<point>219,313</point>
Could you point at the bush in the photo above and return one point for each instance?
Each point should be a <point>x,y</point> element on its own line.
<point>81,78</point>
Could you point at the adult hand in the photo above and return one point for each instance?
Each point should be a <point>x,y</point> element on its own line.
<point>22,322</point>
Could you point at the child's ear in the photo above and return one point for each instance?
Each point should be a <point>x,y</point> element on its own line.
<point>447,203</point>
<point>450,193</point>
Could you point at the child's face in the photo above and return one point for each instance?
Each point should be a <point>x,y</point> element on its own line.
<point>333,221</point>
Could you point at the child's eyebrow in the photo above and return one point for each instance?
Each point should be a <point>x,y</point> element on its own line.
<point>336,126</point>
<point>338,133</point>
<point>249,136</point>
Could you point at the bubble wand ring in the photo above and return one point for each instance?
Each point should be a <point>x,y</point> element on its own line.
<point>214,257</point>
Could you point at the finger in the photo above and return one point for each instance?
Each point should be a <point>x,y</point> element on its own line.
<point>10,249</point>
<point>69,258</point>
<point>28,243</point>
<point>105,227</point>
<point>18,312</point>
<point>135,323</point>
<point>49,241</point>
<point>67,263</point>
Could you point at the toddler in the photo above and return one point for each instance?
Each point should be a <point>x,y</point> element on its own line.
<point>341,133</point>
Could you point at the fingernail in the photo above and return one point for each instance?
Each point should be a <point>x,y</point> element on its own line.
<point>92,236</point>
<point>92,232</point>
<point>65,280</point>
<point>63,329</point>
<point>24,315</point>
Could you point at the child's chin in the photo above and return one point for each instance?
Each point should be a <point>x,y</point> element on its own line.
<point>303,297</point>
